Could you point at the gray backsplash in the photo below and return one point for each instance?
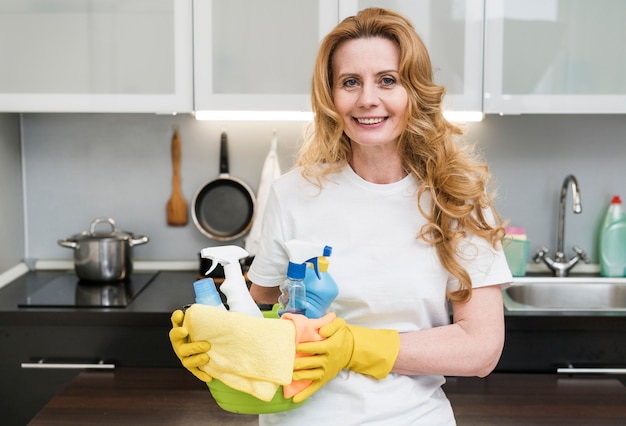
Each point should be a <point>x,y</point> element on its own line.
<point>81,166</point>
<point>11,202</point>
<point>531,155</point>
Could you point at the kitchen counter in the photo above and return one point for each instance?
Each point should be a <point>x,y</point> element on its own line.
<point>52,339</point>
<point>536,341</point>
<point>136,337</point>
<point>173,396</point>
<point>168,291</point>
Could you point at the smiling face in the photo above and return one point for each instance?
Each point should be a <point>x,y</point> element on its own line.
<point>367,92</point>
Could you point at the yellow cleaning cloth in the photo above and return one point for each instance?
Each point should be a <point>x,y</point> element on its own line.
<point>249,354</point>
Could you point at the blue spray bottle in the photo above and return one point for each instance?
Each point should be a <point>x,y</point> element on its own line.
<point>206,293</point>
<point>293,291</point>
<point>321,288</point>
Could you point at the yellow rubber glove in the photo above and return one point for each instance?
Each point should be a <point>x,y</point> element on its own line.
<point>364,350</point>
<point>192,355</point>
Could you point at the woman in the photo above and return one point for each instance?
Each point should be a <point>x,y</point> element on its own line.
<point>412,225</point>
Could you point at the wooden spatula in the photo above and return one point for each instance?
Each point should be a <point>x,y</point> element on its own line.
<point>176,205</point>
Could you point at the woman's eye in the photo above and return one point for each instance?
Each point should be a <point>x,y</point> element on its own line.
<point>388,81</point>
<point>350,82</point>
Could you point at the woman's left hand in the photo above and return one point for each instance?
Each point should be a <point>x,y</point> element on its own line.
<point>364,350</point>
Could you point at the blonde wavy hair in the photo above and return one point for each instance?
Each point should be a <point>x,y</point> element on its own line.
<point>458,181</point>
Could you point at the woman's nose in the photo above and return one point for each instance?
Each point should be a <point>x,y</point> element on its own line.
<point>368,96</point>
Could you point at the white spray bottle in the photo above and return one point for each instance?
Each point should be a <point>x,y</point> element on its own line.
<point>234,285</point>
<point>293,291</point>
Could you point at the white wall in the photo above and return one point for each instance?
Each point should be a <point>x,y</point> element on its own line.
<point>80,166</point>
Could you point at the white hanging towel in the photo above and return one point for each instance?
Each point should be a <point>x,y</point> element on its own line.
<point>270,172</point>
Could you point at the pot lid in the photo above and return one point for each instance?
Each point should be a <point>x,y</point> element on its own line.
<point>102,234</point>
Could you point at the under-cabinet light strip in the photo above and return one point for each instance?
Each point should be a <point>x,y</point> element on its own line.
<point>254,115</point>
<point>456,116</point>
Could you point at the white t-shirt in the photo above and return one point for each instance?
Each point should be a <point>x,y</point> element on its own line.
<point>387,278</point>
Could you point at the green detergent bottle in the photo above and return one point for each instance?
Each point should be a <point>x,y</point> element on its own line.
<point>612,241</point>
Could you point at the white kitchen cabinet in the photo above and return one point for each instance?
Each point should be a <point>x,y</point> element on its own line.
<point>453,33</point>
<point>257,55</point>
<point>555,56</point>
<point>96,56</point>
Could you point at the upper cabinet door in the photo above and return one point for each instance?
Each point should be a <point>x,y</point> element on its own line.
<point>96,56</point>
<point>555,56</point>
<point>257,55</point>
<point>453,33</point>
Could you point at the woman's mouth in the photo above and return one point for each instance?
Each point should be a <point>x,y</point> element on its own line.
<point>373,120</point>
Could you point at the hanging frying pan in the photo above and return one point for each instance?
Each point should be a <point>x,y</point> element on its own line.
<point>223,207</point>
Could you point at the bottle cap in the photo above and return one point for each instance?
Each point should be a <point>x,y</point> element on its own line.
<point>616,200</point>
<point>322,264</point>
<point>296,271</point>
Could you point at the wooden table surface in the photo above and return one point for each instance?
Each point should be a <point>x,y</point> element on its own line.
<point>172,396</point>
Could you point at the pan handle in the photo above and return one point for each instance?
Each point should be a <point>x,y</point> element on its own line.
<point>224,154</point>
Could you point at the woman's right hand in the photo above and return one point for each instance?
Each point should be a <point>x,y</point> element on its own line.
<point>192,355</point>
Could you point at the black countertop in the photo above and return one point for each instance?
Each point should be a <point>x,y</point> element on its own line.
<point>536,342</point>
<point>168,291</point>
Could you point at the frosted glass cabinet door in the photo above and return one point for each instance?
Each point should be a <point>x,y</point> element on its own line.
<point>96,56</point>
<point>453,33</point>
<point>555,56</point>
<point>257,55</point>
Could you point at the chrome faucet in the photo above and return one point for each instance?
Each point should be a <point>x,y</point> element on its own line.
<point>560,265</point>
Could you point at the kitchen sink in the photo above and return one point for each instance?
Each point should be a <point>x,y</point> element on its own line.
<point>567,294</point>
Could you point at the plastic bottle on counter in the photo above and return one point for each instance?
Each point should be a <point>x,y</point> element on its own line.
<point>612,242</point>
<point>321,289</point>
<point>234,286</point>
<point>293,290</point>
<point>206,293</point>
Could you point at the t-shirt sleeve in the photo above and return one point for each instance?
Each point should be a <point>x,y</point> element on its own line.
<point>485,264</point>
<point>269,266</point>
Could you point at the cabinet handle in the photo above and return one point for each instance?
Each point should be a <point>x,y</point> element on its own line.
<point>42,364</point>
<point>574,370</point>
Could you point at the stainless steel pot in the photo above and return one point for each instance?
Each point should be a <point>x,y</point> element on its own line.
<point>103,256</point>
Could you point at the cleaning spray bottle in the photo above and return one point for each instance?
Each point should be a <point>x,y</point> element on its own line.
<point>206,293</point>
<point>321,289</point>
<point>293,291</point>
<point>234,285</point>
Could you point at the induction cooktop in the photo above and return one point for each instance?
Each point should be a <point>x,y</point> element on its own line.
<point>67,291</point>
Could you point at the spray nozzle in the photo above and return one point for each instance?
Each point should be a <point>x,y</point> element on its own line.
<point>223,255</point>
<point>302,252</point>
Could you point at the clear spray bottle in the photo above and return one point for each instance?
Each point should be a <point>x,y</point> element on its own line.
<point>234,285</point>
<point>293,291</point>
